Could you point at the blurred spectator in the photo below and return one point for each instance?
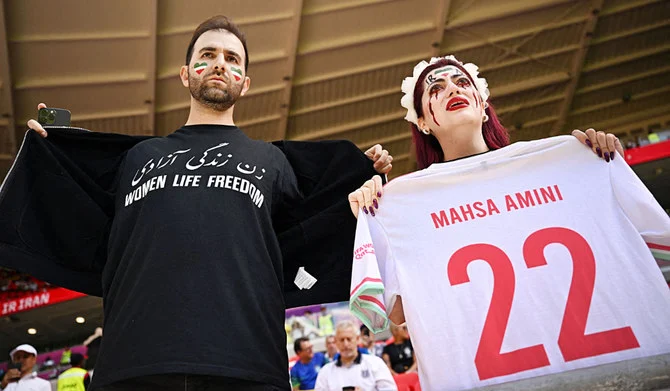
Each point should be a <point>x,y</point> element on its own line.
<point>399,355</point>
<point>309,318</point>
<point>65,357</point>
<point>49,369</point>
<point>297,331</point>
<point>331,348</point>
<point>93,345</point>
<point>368,342</point>
<point>20,375</point>
<point>326,322</point>
<point>303,373</point>
<point>75,378</point>
<point>361,372</point>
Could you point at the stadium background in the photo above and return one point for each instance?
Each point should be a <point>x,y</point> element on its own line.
<point>328,69</point>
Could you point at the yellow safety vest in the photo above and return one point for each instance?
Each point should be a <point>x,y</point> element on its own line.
<point>72,380</point>
<point>326,325</point>
<point>65,357</point>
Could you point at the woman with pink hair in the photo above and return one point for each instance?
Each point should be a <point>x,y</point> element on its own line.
<point>447,106</point>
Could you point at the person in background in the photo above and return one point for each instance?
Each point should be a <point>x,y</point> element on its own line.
<point>304,372</point>
<point>353,370</point>
<point>65,356</point>
<point>326,322</point>
<point>75,378</point>
<point>20,375</point>
<point>368,342</point>
<point>331,348</point>
<point>92,344</point>
<point>399,355</point>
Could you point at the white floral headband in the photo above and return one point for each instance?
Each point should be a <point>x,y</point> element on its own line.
<point>409,83</point>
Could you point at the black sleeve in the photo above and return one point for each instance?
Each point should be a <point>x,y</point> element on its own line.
<point>286,192</point>
<point>318,232</point>
<point>87,380</point>
<point>57,203</point>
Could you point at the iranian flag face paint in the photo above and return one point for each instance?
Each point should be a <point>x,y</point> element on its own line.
<point>237,73</point>
<point>198,67</point>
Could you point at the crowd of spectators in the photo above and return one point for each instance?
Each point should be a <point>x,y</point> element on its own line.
<point>372,361</point>
<point>14,284</point>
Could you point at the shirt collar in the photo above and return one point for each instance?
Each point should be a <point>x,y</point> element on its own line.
<point>357,360</point>
<point>29,376</point>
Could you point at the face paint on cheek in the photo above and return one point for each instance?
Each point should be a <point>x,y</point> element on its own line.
<point>430,106</point>
<point>198,67</point>
<point>237,73</point>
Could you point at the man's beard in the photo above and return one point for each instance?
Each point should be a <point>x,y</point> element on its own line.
<point>219,99</point>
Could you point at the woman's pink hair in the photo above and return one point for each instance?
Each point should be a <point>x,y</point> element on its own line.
<point>427,148</point>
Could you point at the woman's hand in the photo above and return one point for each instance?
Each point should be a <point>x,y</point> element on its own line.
<point>603,144</point>
<point>366,197</point>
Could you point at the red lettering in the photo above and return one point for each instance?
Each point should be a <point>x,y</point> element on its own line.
<point>492,207</point>
<point>510,203</point>
<point>478,207</point>
<point>454,216</point>
<point>537,197</point>
<point>440,221</point>
<point>526,201</point>
<point>548,194</point>
<point>467,212</point>
<point>558,192</point>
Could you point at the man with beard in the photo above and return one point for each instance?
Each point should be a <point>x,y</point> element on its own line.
<point>198,237</point>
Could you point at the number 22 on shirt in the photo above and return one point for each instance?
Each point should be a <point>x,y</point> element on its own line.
<point>573,341</point>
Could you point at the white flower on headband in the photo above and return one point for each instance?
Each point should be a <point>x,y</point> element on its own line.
<point>407,100</point>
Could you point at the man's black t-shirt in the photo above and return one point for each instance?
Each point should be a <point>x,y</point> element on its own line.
<point>401,356</point>
<point>193,281</point>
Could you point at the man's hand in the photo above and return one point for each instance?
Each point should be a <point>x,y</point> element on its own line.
<point>381,158</point>
<point>11,375</point>
<point>36,126</point>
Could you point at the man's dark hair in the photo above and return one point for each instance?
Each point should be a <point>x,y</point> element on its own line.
<point>297,345</point>
<point>77,359</point>
<point>218,22</point>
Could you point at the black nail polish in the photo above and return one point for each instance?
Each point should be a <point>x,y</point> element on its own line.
<point>372,211</point>
<point>365,210</point>
<point>379,194</point>
<point>607,157</point>
<point>374,202</point>
<point>588,142</point>
<point>599,152</point>
<point>612,155</point>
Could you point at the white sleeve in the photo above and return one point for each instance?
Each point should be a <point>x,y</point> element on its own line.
<point>372,277</point>
<point>641,208</point>
<point>321,380</point>
<point>383,377</point>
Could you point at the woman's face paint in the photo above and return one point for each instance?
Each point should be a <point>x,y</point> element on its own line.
<point>430,106</point>
<point>441,85</point>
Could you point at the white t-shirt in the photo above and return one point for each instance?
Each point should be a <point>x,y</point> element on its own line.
<point>439,230</point>
<point>29,383</point>
<point>369,372</point>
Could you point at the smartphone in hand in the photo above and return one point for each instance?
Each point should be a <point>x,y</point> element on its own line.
<point>53,117</point>
<point>17,366</point>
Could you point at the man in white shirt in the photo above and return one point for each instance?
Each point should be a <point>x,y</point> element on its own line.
<point>24,379</point>
<point>352,370</point>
